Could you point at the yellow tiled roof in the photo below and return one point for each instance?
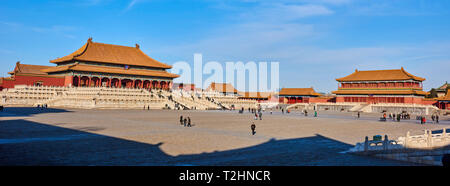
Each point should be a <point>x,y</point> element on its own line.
<point>115,54</point>
<point>380,75</point>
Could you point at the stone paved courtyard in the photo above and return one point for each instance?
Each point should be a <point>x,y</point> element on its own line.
<point>29,136</point>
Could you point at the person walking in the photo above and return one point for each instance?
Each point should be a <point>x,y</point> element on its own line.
<point>359,115</point>
<point>253,127</point>
<point>185,122</point>
<point>398,117</point>
<point>437,118</point>
<point>260,116</point>
<point>256,116</point>
<point>432,117</point>
<point>315,113</point>
<point>189,122</point>
<point>181,120</point>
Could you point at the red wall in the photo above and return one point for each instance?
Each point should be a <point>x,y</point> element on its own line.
<point>31,80</point>
<point>68,80</point>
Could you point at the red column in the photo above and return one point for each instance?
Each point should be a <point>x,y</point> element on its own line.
<point>142,84</point>
<point>79,81</point>
<point>120,83</point>
<point>109,82</point>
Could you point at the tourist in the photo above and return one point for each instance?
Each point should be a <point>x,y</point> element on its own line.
<point>398,117</point>
<point>390,115</point>
<point>282,111</point>
<point>189,122</point>
<point>260,116</point>
<point>315,113</point>
<point>424,120</point>
<point>253,127</point>
<point>359,115</point>
<point>437,118</point>
<point>181,120</point>
<point>185,121</point>
<point>432,117</point>
<point>1,108</point>
<point>256,116</point>
<point>306,113</point>
<point>148,107</point>
<point>384,116</point>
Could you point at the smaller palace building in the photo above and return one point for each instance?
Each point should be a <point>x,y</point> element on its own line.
<point>96,65</point>
<point>24,74</point>
<point>260,97</point>
<point>380,86</point>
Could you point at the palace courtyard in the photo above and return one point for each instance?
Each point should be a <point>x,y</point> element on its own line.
<point>31,136</point>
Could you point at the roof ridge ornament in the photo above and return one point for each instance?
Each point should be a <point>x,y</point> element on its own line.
<point>137,46</point>
<point>90,40</point>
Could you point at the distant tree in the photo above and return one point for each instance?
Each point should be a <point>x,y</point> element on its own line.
<point>433,94</point>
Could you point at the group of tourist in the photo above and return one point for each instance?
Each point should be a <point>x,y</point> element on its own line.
<point>42,106</point>
<point>423,120</point>
<point>185,121</point>
<point>401,116</point>
<point>394,117</point>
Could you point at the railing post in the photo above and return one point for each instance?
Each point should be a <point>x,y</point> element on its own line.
<point>429,139</point>
<point>385,143</point>
<point>366,144</point>
<point>407,139</point>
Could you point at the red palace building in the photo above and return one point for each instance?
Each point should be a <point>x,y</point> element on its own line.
<point>380,86</point>
<point>298,95</point>
<point>96,65</point>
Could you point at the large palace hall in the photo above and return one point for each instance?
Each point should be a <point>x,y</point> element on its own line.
<point>97,65</point>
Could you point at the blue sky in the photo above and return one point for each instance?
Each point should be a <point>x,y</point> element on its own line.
<point>315,41</point>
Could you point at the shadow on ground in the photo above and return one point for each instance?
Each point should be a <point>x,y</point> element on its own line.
<point>28,111</point>
<point>24,142</point>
